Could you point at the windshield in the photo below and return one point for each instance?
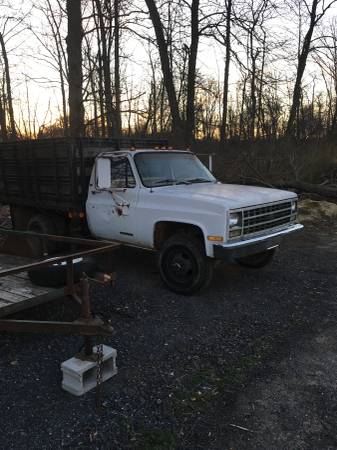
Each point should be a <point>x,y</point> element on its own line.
<point>170,168</point>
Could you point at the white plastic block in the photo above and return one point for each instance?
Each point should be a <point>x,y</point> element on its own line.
<point>80,376</point>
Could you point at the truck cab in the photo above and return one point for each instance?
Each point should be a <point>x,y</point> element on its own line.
<point>168,201</point>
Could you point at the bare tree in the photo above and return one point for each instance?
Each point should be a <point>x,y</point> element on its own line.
<point>325,55</point>
<point>166,68</point>
<point>117,67</point>
<point>226,70</point>
<point>74,49</point>
<point>53,44</point>
<point>8,87</point>
<point>192,60</point>
<point>316,11</point>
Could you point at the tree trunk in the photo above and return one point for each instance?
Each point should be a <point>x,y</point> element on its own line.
<point>74,48</point>
<point>106,71</point>
<point>60,57</point>
<point>226,73</point>
<point>3,124</point>
<point>242,134</point>
<point>302,61</point>
<point>154,127</point>
<point>190,109</point>
<point>117,70</point>
<point>165,65</point>
<point>8,89</point>
<point>260,110</point>
<point>64,103</point>
<point>252,118</point>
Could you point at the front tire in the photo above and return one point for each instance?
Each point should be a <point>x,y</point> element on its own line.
<point>183,264</point>
<point>257,261</point>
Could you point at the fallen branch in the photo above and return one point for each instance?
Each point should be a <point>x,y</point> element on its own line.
<point>302,187</point>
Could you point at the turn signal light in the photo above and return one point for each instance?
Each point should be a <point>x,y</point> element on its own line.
<point>215,238</point>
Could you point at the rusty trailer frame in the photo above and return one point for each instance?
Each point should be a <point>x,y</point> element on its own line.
<point>86,325</point>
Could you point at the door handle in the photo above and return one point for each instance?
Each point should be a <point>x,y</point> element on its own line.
<point>119,200</point>
<point>122,204</point>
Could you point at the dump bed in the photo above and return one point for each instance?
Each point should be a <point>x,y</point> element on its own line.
<point>54,173</point>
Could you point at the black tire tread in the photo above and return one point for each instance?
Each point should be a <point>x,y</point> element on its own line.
<point>56,275</point>
<point>196,247</point>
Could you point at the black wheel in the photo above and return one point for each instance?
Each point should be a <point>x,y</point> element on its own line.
<point>41,223</point>
<point>56,274</point>
<point>257,261</point>
<point>183,264</point>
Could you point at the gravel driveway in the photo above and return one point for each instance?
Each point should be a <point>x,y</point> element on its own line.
<point>249,364</point>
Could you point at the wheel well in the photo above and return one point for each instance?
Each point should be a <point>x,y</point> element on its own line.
<point>164,230</point>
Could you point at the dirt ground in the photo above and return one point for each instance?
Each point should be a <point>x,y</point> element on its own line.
<point>249,364</point>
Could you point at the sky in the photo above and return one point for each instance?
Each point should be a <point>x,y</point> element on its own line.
<point>34,78</point>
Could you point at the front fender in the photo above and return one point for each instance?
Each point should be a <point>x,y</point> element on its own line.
<point>209,248</point>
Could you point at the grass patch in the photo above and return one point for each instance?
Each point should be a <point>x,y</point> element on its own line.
<point>204,385</point>
<point>156,439</point>
<point>143,438</point>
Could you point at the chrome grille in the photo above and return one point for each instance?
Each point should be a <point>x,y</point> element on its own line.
<point>266,217</point>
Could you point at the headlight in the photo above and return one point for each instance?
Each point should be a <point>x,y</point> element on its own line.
<point>235,219</point>
<point>294,206</point>
<point>235,224</point>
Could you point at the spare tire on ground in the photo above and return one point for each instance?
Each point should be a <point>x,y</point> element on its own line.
<point>56,274</point>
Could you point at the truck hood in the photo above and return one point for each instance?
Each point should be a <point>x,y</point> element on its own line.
<point>230,195</point>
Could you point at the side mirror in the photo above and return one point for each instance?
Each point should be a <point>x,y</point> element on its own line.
<point>103,173</point>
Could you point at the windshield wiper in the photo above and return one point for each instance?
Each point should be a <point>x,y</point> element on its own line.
<point>164,181</point>
<point>199,180</point>
<point>171,180</point>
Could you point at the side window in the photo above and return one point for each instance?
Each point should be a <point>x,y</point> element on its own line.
<point>121,173</point>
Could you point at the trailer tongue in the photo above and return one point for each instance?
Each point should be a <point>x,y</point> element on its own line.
<point>13,273</point>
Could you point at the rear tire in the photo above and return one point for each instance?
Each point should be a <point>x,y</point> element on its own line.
<point>257,261</point>
<point>41,223</point>
<point>183,264</point>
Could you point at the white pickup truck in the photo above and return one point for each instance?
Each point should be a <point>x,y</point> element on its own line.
<point>168,201</point>
<point>162,200</point>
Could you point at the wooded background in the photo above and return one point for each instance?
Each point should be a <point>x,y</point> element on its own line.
<point>269,95</point>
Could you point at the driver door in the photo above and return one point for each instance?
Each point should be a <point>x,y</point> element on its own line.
<point>115,207</point>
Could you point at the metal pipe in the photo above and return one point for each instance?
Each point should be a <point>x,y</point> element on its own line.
<point>70,277</point>
<point>56,259</point>
<point>85,306</point>
<point>53,237</point>
<point>93,327</point>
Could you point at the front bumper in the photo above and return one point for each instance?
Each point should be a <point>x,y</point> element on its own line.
<point>233,250</point>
